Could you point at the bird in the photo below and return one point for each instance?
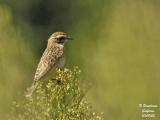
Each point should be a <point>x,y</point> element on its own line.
<point>52,59</point>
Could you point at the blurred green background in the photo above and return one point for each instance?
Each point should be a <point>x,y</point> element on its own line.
<point>116,44</point>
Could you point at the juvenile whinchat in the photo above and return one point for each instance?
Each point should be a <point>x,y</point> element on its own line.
<point>52,59</point>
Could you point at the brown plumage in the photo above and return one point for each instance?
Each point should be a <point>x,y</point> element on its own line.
<point>52,58</point>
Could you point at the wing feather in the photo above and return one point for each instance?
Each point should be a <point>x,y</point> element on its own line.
<point>48,60</point>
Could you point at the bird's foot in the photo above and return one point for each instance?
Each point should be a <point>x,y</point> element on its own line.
<point>58,81</point>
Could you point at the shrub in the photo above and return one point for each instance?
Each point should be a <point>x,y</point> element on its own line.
<point>58,99</point>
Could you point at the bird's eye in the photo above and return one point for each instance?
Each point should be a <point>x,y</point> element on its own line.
<point>61,40</point>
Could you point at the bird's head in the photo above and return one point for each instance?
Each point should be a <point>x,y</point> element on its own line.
<point>59,38</point>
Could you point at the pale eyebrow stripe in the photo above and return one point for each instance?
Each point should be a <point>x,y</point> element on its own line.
<point>56,37</point>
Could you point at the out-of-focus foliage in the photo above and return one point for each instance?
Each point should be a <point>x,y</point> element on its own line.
<point>15,60</point>
<point>57,99</point>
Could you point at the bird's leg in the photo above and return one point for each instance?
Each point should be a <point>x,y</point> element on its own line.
<point>58,81</point>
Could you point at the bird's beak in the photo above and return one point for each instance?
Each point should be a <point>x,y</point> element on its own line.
<point>69,38</point>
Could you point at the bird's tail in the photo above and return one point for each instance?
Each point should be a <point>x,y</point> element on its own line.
<point>31,89</point>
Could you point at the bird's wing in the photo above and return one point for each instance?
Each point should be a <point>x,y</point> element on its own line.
<point>47,62</point>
